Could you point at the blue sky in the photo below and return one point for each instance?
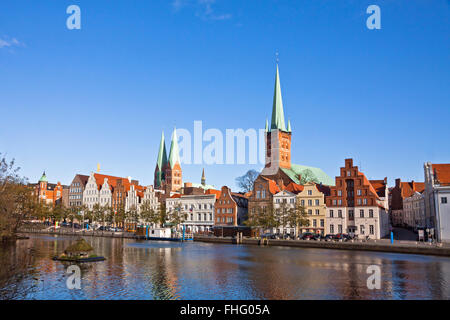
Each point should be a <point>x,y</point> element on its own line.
<point>70,99</point>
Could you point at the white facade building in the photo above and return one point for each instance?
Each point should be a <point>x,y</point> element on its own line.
<point>199,210</point>
<point>437,199</point>
<point>414,211</point>
<point>288,200</point>
<point>91,194</point>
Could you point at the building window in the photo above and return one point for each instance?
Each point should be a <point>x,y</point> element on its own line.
<point>371,229</point>
<point>339,193</point>
<point>361,213</point>
<point>351,214</point>
<point>309,192</point>
<point>340,213</point>
<point>317,202</point>
<point>365,201</point>
<point>309,211</point>
<point>371,213</point>
<point>331,213</point>
<point>358,192</point>
<point>331,228</point>
<point>309,202</point>
<point>358,201</point>
<point>303,203</point>
<point>315,223</point>
<point>361,229</point>
<point>443,199</point>
<point>339,228</point>
<point>317,212</point>
<point>339,202</point>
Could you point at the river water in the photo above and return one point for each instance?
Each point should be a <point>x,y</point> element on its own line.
<point>170,270</point>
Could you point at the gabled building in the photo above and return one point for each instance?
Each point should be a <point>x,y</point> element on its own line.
<point>355,206</point>
<point>399,193</point>
<point>76,190</point>
<point>312,198</point>
<point>437,196</point>
<point>231,208</point>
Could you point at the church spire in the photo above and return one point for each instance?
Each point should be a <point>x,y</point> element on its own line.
<point>160,162</point>
<point>162,155</point>
<point>203,177</point>
<point>174,155</point>
<point>277,109</point>
<point>289,126</point>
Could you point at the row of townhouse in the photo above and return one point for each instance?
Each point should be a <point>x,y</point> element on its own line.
<point>424,205</point>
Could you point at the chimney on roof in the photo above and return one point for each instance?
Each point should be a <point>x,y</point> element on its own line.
<point>413,185</point>
<point>398,182</point>
<point>129,179</point>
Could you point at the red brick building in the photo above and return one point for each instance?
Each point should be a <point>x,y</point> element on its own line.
<point>231,208</point>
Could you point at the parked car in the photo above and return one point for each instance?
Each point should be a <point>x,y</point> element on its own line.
<point>318,237</point>
<point>307,236</point>
<point>329,237</point>
<point>342,236</point>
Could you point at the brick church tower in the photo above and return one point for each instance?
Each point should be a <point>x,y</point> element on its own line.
<point>172,174</point>
<point>278,137</point>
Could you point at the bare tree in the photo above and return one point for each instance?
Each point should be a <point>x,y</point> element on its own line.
<point>245,182</point>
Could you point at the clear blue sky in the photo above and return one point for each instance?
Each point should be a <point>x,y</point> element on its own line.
<point>70,99</point>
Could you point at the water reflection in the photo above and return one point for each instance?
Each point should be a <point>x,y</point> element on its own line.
<point>166,270</point>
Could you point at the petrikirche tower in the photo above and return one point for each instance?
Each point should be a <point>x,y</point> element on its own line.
<point>278,137</point>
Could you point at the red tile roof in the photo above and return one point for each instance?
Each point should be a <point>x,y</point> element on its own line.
<point>442,173</point>
<point>213,191</point>
<point>294,188</point>
<point>273,187</point>
<point>409,188</point>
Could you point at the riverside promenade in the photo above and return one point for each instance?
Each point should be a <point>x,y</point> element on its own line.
<point>383,245</point>
<point>79,233</point>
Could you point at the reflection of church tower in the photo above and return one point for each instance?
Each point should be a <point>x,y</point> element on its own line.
<point>173,175</point>
<point>160,163</point>
<point>278,137</point>
<point>203,178</point>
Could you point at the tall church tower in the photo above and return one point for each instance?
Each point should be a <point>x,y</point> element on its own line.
<point>161,164</point>
<point>278,137</point>
<point>173,175</point>
<point>43,187</point>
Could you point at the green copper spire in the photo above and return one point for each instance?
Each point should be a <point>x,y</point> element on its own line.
<point>277,109</point>
<point>162,155</point>
<point>174,155</point>
<point>267,125</point>
<point>289,126</point>
<point>161,161</point>
<point>43,178</point>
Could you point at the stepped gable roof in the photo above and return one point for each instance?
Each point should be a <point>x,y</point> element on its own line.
<point>296,171</point>
<point>366,182</point>
<point>441,173</point>
<point>273,186</point>
<point>411,187</point>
